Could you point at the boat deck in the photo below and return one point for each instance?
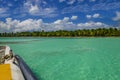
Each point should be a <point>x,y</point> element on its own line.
<point>5,72</point>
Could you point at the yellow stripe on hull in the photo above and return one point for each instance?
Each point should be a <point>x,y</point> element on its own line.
<point>5,72</point>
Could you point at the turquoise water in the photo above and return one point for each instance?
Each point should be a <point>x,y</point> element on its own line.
<point>69,58</point>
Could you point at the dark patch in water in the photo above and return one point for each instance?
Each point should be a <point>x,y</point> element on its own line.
<point>11,42</point>
<point>17,42</point>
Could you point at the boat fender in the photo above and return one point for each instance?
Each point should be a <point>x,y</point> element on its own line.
<point>27,72</point>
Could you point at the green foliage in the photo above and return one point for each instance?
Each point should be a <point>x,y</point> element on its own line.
<point>101,32</point>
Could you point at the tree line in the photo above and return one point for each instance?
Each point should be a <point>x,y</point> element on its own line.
<point>101,32</point>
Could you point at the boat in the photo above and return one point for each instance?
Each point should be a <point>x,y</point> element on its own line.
<point>13,67</point>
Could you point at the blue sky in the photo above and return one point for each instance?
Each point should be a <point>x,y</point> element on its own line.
<point>49,15</point>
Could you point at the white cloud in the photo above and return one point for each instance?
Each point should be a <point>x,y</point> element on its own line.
<point>28,25</point>
<point>58,22</point>
<point>71,1</point>
<point>74,17</point>
<point>45,3</point>
<point>37,25</point>
<point>66,19</point>
<point>43,12</point>
<point>96,15</point>
<point>88,16</point>
<point>117,18</point>
<point>33,9</point>
<point>18,26</point>
<point>92,25</point>
<point>38,10</point>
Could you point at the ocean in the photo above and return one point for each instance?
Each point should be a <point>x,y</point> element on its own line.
<point>69,58</point>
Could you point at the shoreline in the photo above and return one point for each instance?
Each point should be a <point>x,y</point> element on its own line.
<point>66,37</point>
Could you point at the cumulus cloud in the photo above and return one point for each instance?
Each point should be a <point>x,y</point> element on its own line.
<point>117,18</point>
<point>96,15</point>
<point>88,16</point>
<point>34,9</point>
<point>66,19</point>
<point>39,8</point>
<point>74,17</point>
<point>43,12</point>
<point>37,25</point>
<point>58,22</point>
<point>18,26</point>
<point>92,25</point>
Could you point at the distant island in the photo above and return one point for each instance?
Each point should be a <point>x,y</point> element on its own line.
<point>100,32</point>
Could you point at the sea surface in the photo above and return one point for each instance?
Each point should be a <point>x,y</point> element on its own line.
<point>69,58</point>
